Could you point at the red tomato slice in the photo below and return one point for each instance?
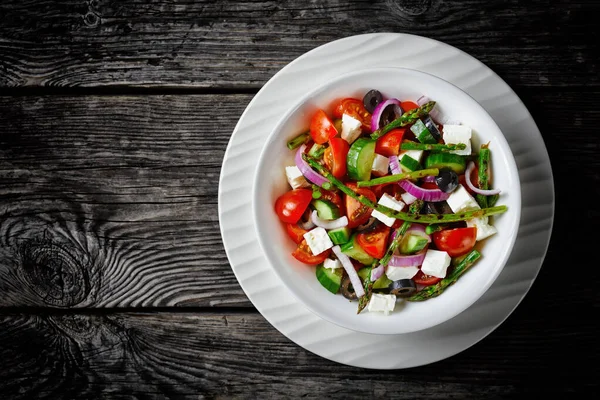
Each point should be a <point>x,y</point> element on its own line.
<point>389,144</point>
<point>474,180</point>
<point>291,205</point>
<point>429,185</point>
<point>455,242</point>
<point>295,232</point>
<point>425,280</point>
<point>335,156</point>
<point>408,105</point>
<point>357,212</point>
<point>354,108</point>
<point>374,242</point>
<point>305,255</point>
<point>321,127</point>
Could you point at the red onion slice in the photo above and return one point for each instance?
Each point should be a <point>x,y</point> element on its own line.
<point>435,113</point>
<point>432,195</point>
<point>422,100</point>
<point>395,165</point>
<point>413,260</point>
<point>377,272</point>
<point>349,267</point>
<point>484,192</point>
<point>306,170</point>
<point>328,224</point>
<point>378,111</point>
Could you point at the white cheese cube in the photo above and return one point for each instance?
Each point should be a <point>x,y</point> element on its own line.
<point>408,198</point>
<point>332,264</point>
<point>350,128</point>
<point>460,200</point>
<point>484,229</point>
<point>414,154</point>
<point>384,303</point>
<point>295,177</point>
<point>388,201</point>
<point>380,165</point>
<point>454,134</point>
<point>397,273</point>
<point>436,263</point>
<point>318,240</point>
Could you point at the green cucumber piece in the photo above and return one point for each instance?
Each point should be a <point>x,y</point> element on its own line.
<point>326,209</point>
<point>330,280</point>
<point>382,283</point>
<point>409,164</point>
<point>411,244</point>
<point>339,235</point>
<point>353,250</point>
<point>455,162</point>
<point>363,273</point>
<point>360,159</point>
<point>422,133</point>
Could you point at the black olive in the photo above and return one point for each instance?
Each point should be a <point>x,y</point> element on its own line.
<point>389,114</point>
<point>438,207</point>
<point>447,180</point>
<point>347,289</point>
<point>403,287</point>
<point>435,132</point>
<point>372,99</point>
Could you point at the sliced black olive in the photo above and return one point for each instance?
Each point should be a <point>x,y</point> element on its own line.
<point>438,207</point>
<point>347,289</point>
<point>372,99</point>
<point>403,287</point>
<point>435,132</point>
<point>389,114</point>
<point>447,180</point>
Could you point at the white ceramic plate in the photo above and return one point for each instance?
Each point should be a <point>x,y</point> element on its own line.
<point>279,306</point>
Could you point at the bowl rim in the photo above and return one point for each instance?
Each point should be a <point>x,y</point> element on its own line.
<point>516,191</point>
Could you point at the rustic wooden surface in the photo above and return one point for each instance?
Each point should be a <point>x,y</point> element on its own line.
<point>114,118</point>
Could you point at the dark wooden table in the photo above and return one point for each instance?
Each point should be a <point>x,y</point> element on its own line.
<point>114,118</point>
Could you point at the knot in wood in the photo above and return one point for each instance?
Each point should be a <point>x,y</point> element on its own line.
<point>54,274</point>
<point>412,8</point>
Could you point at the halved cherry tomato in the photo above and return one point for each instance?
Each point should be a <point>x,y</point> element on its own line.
<point>408,105</point>
<point>305,255</point>
<point>295,232</point>
<point>389,144</point>
<point>335,156</point>
<point>429,185</point>
<point>291,205</point>
<point>374,242</point>
<point>354,108</point>
<point>357,212</point>
<point>321,127</point>
<point>455,242</point>
<point>425,280</point>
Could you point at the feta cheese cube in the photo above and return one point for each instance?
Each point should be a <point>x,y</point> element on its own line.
<point>454,134</point>
<point>332,264</point>
<point>436,263</point>
<point>295,177</point>
<point>388,201</point>
<point>350,128</point>
<point>380,165</point>
<point>461,200</point>
<point>384,303</point>
<point>318,240</point>
<point>408,198</point>
<point>414,154</point>
<point>397,273</point>
<point>484,229</point>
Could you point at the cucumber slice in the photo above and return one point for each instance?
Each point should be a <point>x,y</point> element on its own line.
<point>382,283</point>
<point>363,273</point>
<point>330,280</point>
<point>339,235</point>
<point>455,162</point>
<point>353,250</point>
<point>409,164</point>
<point>411,244</point>
<point>422,133</point>
<point>360,159</point>
<point>326,209</point>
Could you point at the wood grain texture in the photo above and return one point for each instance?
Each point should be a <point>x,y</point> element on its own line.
<point>230,356</point>
<point>241,44</point>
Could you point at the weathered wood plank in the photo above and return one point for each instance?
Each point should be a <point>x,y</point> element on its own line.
<point>241,356</point>
<point>241,44</point>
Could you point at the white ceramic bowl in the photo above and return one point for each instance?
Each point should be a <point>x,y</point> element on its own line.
<point>300,279</point>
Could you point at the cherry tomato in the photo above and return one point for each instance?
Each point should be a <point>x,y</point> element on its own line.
<point>425,280</point>
<point>295,232</point>
<point>321,127</point>
<point>408,105</point>
<point>455,242</point>
<point>335,156</point>
<point>357,212</point>
<point>354,108</point>
<point>389,144</point>
<point>291,205</point>
<point>374,242</point>
<point>334,198</point>
<point>305,255</point>
<point>429,185</point>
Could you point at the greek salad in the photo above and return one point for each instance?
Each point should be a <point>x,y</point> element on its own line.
<point>387,200</point>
